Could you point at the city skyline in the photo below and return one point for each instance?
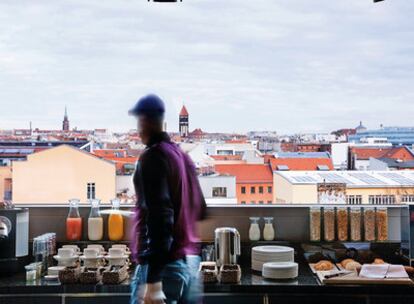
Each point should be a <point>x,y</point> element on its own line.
<point>288,66</point>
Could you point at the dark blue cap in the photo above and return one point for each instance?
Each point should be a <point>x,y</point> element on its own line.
<point>150,105</point>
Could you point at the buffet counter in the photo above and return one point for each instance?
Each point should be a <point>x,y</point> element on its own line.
<point>252,289</point>
<point>291,223</point>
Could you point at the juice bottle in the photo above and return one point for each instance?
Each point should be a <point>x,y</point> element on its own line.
<point>115,222</point>
<point>95,222</point>
<point>73,222</point>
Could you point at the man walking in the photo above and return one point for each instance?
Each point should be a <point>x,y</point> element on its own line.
<point>169,204</point>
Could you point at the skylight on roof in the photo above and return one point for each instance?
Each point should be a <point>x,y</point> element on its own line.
<point>367,178</point>
<point>323,168</point>
<point>282,168</point>
<point>304,179</point>
<point>334,178</point>
<point>398,178</point>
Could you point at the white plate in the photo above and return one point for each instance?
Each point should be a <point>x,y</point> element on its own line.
<point>109,257</point>
<point>271,249</point>
<point>54,270</point>
<point>82,257</point>
<point>284,270</point>
<point>59,258</point>
<point>280,258</point>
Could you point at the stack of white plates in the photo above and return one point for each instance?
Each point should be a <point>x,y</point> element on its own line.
<point>280,270</point>
<point>265,254</point>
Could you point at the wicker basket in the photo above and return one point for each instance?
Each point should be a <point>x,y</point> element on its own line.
<point>208,272</point>
<point>115,274</point>
<point>91,275</point>
<point>69,275</point>
<point>230,273</point>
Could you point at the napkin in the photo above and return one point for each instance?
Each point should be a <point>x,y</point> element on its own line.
<point>396,271</point>
<point>381,271</point>
<point>374,271</point>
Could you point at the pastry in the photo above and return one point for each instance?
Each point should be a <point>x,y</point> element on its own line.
<point>378,261</point>
<point>323,265</point>
<point>352,266</point>
<point>345,262</point>
<point>409,270</point>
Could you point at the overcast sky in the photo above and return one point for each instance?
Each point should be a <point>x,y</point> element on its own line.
<point>283,65</point>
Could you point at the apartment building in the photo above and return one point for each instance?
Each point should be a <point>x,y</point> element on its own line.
<point>254,182</point>
<point>368,187</point>
<point>58,174</point>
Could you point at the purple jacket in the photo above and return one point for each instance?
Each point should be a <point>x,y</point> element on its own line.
<point>169,204</point>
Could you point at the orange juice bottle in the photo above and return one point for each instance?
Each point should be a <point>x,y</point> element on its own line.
<point>115,222</point>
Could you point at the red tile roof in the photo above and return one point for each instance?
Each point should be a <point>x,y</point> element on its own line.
<point>226,157</point>
<point>386,152</point>
<point>297,164</point>
<point>247,173</point>
<point>183,111</point>
<point>197,132</point>
<point>268,157</point>
<point>110,152</point>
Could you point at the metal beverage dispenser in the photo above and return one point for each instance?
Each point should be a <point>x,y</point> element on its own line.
<point>227,245</point>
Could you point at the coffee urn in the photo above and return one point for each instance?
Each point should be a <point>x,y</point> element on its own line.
<point>227,245</point>
<point>14,239</point>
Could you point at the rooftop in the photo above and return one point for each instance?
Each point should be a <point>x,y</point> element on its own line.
<point>183,111</point>
<point>353,179</point>
<point>302,155</point>
<point>383,152</point>
<point>247,173</point>
<point>397,164</point>
<point>301,163</point>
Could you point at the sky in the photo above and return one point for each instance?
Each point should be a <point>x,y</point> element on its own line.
<point>283,65</point>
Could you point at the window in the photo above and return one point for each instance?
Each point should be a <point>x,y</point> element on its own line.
<point>252,190</point>
<point>243,190</point>
<point>269,202</point>
<point>269,189</point>
<point>407,198</point>
<point>219,192</point>
<point>381,199</point>
<point>261,202</point>
<point>354,199</point>
<point>243,202</point>
<point>260,189</point>
<point>90,191</point>
<point>252,202</point>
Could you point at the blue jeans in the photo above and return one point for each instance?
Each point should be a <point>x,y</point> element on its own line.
<point>180,283</point>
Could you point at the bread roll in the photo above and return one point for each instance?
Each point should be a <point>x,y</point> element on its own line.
<point>345,262</point>
<point>323,265</point>
<point>409,270</point>
<point>352,266</point>
<point>378,261</point>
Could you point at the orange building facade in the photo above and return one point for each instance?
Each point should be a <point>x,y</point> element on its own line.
<point>254,182</point>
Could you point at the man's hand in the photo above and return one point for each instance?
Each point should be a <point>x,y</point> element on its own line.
<point>151,294</point>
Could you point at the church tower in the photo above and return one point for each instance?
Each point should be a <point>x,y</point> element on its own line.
<point>183,122</point>
<point>65,124</point>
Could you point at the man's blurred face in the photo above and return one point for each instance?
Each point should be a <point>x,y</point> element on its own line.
<point>147,127</point>
<point>143,128</point>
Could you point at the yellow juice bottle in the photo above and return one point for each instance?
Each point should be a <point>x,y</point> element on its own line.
<point>115,223</point>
